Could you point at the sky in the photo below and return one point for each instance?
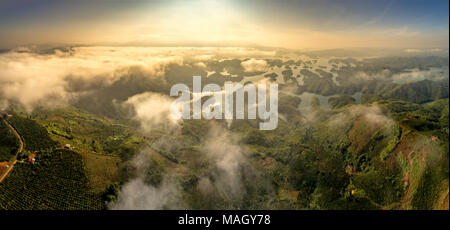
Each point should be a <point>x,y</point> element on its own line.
<point>301,24</point>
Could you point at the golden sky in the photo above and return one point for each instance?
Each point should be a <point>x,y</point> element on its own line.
<point>285,23</point>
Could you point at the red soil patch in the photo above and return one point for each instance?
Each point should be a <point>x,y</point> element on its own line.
<point>3,167</point>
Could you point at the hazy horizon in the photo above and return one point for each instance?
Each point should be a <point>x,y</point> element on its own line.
<point>284,24</point>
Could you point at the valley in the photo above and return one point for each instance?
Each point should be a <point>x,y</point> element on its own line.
<point>350,135</point>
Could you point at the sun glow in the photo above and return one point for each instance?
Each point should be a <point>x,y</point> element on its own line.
<point>205,21</point>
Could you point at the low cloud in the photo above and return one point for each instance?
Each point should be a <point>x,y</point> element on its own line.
<point>137,194</point>
<point>414,75</point>
<point>228,159</point>
<point>152,110</point>
<point>31,78</point>
<point>381,75</point>
<point>254,65</point>
<point>222,178</point>
<point>201,65</point>
<point>372,115</point>
<point>3,104</point>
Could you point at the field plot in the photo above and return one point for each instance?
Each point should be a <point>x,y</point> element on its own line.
<point>56,181</point>
<point>8,142</point>
<point>35,136</point>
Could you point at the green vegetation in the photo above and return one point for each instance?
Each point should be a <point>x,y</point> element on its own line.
<point>8,142</point>
<point>155,171</point>
<point>338,102</point>
<point>58,129</point>
<point>353,162</point>
<point>390,152</point>
<point>57,180</point>
<point>34,135</point>
<point>101,170</point>
<point>86,131</point>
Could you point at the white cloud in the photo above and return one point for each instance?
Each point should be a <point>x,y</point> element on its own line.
<point>254,65</point>
<point>152,110</point>
<point>31,78</point>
